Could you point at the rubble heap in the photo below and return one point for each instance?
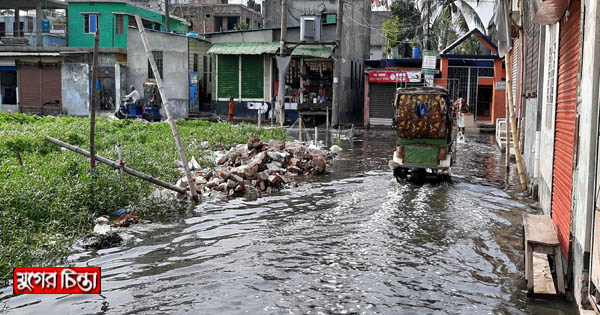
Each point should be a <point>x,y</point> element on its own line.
<point>258,167</point>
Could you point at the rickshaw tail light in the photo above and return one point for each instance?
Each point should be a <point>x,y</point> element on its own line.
<point>443,154</point>
<point>400,152</point>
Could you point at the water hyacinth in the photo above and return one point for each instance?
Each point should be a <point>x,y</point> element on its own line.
<point>52,199</point>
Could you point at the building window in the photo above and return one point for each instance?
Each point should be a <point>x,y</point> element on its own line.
<point>131,21</point>
<point>90,23</point>
<point>2,29</point>
<point>158,58</point>
<point>21,31</point>
<point>119,24</point>
<point>195,63</point>
<point>29,25</point>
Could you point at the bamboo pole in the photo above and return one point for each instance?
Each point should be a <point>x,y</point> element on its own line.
<point>513,127</point>
<point>300,137</point>
<point>259,117</point>
<point>94,100</point>
<point>118,166</point>
<point>170,119</point>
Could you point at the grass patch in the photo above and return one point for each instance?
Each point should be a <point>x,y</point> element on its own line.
<point>50,201</point>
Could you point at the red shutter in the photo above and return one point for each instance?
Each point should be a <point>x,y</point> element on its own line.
<point>51,87</point>
<point>40,89</point>
<point>566,108</point>
<point>30,89</point>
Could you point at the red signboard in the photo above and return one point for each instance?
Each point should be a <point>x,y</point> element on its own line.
<point>56,280</point>
<point>395,76</point>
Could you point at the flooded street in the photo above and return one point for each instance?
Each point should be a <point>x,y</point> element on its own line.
<point>351,242</point>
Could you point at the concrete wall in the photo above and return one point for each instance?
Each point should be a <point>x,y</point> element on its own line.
<point>175,66</point>
<point>47,40</point>
<point>263,36</point>
<point>547,141</point>
<point>529,145</point>
<point>297,8</point>
<point>584,174</point>
<point>75,92</point>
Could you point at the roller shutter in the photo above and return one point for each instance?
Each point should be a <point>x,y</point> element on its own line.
<point>30,89</point>
<point>381,110</point>
<point>564,140</point>
<point>40,88</point>
<point>252,76</point>
<point>228,76</point>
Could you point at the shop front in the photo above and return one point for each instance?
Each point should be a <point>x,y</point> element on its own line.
<point>380,88</point>
<point>308,83</point>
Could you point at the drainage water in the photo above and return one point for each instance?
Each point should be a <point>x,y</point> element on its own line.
<point>351,242</point>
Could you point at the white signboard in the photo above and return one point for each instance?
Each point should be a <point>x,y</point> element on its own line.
<point>257,106</point>
<point>501,85</point>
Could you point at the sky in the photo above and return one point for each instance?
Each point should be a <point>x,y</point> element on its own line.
<point>485,8</point>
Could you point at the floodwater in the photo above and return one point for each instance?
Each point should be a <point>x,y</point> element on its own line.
<point>351,242</point>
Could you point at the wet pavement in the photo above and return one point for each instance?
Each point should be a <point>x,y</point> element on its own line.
<point>351,242</point>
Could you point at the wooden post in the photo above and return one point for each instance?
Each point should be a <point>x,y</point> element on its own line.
<point>337,64</point>
<point>259,117</point>
<point>93,104</point>
<point>300,137</point>
<point>116,165</point>
<point>513,127</point>
<point>327,119</point>
<point>316,134</point>
<point>170,118</point>
<point>281,87</point>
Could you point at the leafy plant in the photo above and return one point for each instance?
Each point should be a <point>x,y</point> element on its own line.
<point>52,200</point>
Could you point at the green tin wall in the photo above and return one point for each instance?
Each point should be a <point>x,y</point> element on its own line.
<point>252,76</point>
<point>107,23</point>
<point>228,76</point>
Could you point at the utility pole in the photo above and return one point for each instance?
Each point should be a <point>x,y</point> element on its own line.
<point>337,65</point>
<point>167,16</point>
<point>93,100</point>
<point>281,87</point>
<point>428,29</point>
<point>170,118</point>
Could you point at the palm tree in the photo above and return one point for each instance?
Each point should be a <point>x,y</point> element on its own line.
<point>446,17</point>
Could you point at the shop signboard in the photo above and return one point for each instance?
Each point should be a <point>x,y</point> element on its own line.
<point>394,76</point>
<point>429,62</point>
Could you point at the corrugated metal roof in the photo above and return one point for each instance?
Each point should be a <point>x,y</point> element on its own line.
<point>244,48</point>
<point>320,51</point>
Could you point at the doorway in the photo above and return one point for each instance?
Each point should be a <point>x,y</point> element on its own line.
<point>484,100</point>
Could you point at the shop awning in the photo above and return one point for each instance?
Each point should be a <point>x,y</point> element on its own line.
<point>550,11</point>
<point>319,51</point>
<point>244,48</point>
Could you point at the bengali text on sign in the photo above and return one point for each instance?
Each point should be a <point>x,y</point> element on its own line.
<point>56,280</point>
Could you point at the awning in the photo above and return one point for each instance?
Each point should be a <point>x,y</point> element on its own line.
<point>244,48</point>
<point>319,51</point>
<point>550,11</point>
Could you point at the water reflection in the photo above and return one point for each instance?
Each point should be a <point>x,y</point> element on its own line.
<point>351,242</point>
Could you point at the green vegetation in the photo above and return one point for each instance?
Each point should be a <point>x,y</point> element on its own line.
<point>53,199</point>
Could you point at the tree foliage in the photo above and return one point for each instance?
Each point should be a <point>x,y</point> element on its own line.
<point>390,32</point>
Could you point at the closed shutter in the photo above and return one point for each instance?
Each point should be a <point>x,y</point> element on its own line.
<point>252,76</point>
<point>51,86</point>
<point>30,89</point>
<point>532,55</point>
<point>515,70</point>
<point>228,76</point>
<point>564,140</point>
<point>381,110</point>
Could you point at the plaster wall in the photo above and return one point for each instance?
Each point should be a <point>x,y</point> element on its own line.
<point>75,92</point>
<point>175,67</point>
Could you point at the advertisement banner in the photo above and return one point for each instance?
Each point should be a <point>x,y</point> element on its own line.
<point>395,76</point>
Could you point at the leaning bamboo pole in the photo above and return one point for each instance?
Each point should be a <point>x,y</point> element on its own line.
<point>164,98</point>
<point>513,127</point>
<point>118,165</point>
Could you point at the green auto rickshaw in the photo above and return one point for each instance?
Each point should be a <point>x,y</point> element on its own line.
<point>424,125</point>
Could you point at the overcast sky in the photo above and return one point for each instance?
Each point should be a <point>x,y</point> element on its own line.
<point>485,8</point>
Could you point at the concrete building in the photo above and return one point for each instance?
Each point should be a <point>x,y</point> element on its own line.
<point>377,49</point>
<point>209,16</point>
<point>315,56</point>
<point>172,56</point>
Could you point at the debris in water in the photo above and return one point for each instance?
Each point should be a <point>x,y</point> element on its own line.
<point>126,220</point>
<point>258,167</point>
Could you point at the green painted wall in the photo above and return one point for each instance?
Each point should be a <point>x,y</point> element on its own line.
<point>107,23</point>
<point>228,76</point>
<point>252,76</point>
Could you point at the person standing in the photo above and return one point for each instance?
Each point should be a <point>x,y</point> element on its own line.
<point>231,109</point>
